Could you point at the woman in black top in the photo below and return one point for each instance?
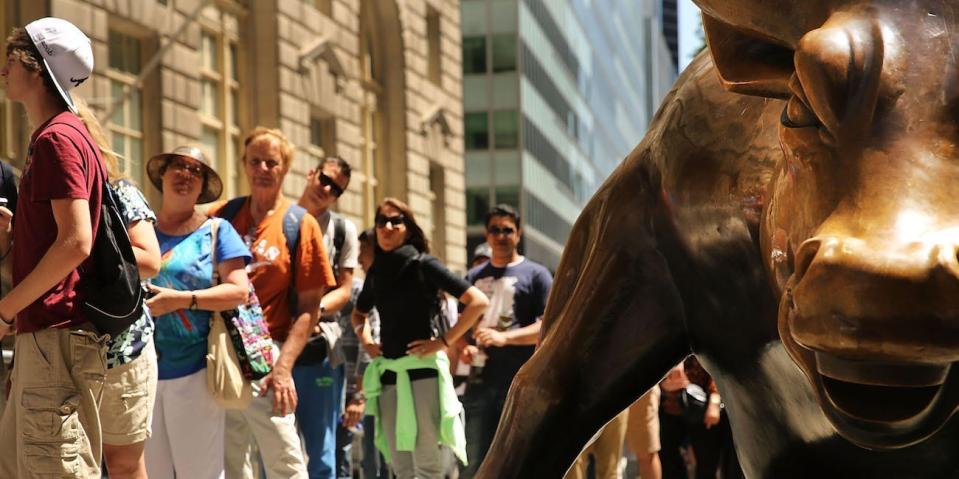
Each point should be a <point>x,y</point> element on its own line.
<point>403,284</point>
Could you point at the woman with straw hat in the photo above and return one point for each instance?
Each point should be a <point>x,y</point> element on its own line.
<point>188,424</point>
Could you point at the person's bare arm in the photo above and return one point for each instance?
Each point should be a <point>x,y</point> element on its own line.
<point>281,379</point>
<point>361,326</point>
<point>232,291</point>
<point>73,245</point>
<point>336,298</point>
<point>525,336</point>
<point>146,248</point>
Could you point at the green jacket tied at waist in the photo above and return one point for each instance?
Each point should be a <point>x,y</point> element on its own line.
<point>451,431</point>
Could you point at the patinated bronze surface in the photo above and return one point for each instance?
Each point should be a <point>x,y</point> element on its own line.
<point>811,224</point>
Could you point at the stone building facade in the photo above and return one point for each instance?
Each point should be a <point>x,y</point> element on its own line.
<point>377,82</point>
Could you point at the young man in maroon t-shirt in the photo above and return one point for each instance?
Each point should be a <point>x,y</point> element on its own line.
<point>50,424</point>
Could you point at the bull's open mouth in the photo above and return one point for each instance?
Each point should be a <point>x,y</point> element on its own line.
<point>878,391</point>
<point>882,404</point>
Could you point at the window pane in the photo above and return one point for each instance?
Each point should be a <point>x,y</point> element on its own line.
<point>135,163</point>
<point>476,130</point>
<point>474,55</point>
<point>477,205</point>
<point>116,92</point>
<point>433,55</point>
<point>506,130</point>
<point>508,195</point>
<point>208,51</point>
<point>134,104</point>
<point>120,147</point>
<point>211,142</point>
<point>231,63</point>
<point>210,103</point>
<point>504,53</point>
<point>235,106</point>
<point>114,45</point>
<point>124,52</point>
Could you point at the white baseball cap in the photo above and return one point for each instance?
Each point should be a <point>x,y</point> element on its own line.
<point>67,53</point>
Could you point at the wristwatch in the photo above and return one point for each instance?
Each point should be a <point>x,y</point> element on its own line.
<point>193,304</point>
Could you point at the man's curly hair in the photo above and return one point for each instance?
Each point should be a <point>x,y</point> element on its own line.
<point>24,51</point>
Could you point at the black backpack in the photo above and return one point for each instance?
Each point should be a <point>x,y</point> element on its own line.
<point>112,288</point>
<point>114,294</point>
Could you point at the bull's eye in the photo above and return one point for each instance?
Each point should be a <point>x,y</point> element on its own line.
<point>798,115</point>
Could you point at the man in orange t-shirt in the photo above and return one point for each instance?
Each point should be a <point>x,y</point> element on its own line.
<point>266,159</point>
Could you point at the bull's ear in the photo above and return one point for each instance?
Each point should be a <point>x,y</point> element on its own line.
<point>747,63</point>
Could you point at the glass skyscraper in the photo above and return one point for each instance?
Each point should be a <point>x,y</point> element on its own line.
<point>556,93</point>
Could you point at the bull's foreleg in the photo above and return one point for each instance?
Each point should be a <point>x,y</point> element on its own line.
<point>613,327</point>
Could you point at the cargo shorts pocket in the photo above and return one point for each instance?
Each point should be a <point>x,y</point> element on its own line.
<point>52,434</point>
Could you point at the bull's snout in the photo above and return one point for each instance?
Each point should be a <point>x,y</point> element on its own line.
<point>886,302</point>
<point>880,324</point>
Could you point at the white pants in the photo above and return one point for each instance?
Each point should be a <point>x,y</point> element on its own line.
<point>187,438</point>
<point>275,436</point>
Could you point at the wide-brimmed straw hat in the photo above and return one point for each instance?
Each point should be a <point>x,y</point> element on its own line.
<point>212,187</point>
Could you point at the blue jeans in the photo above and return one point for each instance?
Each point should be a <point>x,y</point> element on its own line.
<point>483,405</point>
<point>320,391</point>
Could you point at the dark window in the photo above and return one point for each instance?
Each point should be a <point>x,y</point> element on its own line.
<point>505,130</point>
<point>508,195</point>
<point>474,55</point>
<point>476,130</point>
<point>504,53</point>
<point>323,134</point>
<point>124,52</point>
<point>477,205</point>
<point>433,34</point>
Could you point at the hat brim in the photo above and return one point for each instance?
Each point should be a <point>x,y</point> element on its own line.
<point>63,93</point>
<point>214,186</point>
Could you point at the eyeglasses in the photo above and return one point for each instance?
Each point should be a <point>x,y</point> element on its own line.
<point>496,231</point>
<point>327,181</point>
<point>270,164</point>
<point>193,170</point>
<point>383,220</point>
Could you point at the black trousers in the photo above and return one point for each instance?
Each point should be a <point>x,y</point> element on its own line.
<point>712,447</point>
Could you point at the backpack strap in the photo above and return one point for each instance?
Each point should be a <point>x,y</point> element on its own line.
<point>232,207</point>
<point>339,238</point>
<point>214,225</point>
<point>292,220</point>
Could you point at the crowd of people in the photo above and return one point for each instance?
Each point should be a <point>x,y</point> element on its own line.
<point>416,358</point>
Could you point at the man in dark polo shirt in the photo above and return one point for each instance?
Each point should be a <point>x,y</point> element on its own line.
<point>50,426</point>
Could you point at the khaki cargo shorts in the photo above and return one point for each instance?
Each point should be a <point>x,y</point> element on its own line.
<point>51,427</point>
<point>643,429</point>
<point>128,396</point>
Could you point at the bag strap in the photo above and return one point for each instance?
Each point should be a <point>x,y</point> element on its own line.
<point>291,230</point>
<point>214,225</point>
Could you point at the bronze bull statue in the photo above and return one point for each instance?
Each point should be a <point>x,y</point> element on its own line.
<point>793,204</point>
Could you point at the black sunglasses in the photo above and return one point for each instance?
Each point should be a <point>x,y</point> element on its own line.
<point>496,230</point>
<point>382,220</point>
<point>191,169</point>
<point>327,181</point>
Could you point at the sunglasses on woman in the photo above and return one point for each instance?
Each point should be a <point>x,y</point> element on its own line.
<point>327,181</point>
<point>382,220</point>
<point>192,169</point>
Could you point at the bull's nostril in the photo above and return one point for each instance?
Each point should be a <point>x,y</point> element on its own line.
<point>807,253</point>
